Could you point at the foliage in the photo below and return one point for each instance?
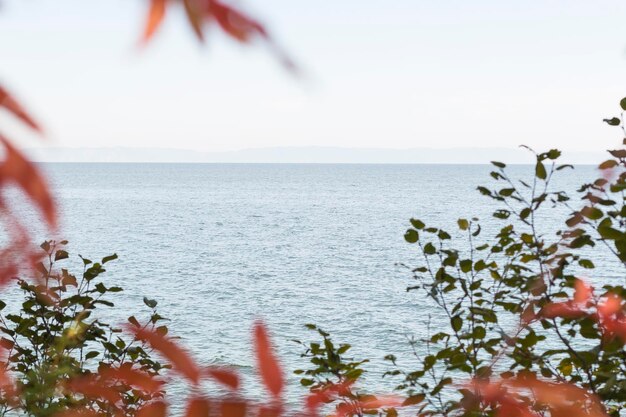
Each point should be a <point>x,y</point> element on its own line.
<point>331,368</point>
<point>503,295</point>
<point>58,337</point>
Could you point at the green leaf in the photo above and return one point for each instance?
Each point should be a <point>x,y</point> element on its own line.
<point>614,121</point>
<point>429,249</point>
<point>109,258</point>
<point>592,213</point>
<point>463,224</point>
<point>411,236</point>
<point>553,154</point>
<point>61,254</point>
<point>618,153</point>
<point>150,303</point>
<point>132,320</point>
<point>418,224</point>
<point>457,323</point>
<point>622,103</point>
<point>540,171</point>
<point>498,164</point>
<point>91,354</point>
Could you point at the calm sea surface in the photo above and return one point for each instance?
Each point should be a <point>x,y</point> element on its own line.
<point>220,245</point>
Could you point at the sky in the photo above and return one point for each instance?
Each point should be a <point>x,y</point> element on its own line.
<point>376,74</point>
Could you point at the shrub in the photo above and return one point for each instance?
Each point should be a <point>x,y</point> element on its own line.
<point>508,297</point>
<point>57,346</point>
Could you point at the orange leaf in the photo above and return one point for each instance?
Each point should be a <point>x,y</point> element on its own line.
<point>9,103</point>
<point>224,376</point>
<point>155,17</point>
<point>180,359</point>
<point>582,292</point>
<point>382,402</point>
<point>18,169</point>
<point>267,364</point>
<point>197,407</point>
<point>155,409</point>
<point>610,305</point>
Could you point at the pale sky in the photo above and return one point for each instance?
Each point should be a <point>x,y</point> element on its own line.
<point>391,74</point>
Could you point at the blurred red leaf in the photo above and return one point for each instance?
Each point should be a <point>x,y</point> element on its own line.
<point>610,305</point>
<point>325,395</point>
<point>155,17</point>
<point>194,9</point>
<point>564,309</point>
<point>514,397</point>
<point>7,272</point>
<point>582,293</point>
<point>91,387</point>
<point>180,359</point>
<point>198,407</point>
<point>235,23</point>
<point>375,403</point>
<point>18,169</point>
<point>233,409</point>
<point>155,409</point>
<point>134,377</point>
<point>224,376</point>
<point>267,364</point>
<point>77,412</point>
<point>8,102</point>
<point>270,411</point>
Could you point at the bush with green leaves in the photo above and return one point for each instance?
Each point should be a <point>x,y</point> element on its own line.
<point>493,290</point>
<point>332,368</point>
<point>59,336</point>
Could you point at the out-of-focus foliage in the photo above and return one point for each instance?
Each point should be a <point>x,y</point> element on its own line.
<point>203,13</point>
<point>507,296</point>
<point>60,350</point>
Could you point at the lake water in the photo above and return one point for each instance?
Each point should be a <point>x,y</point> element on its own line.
<point>220,245</point>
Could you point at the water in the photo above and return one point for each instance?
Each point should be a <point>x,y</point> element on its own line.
<point>220,245</point>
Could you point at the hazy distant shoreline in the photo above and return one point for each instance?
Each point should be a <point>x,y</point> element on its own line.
<point>303,155</point>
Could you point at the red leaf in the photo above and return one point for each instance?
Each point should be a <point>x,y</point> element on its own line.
<point>270,411</point>
<point>233,409</point>
<point>155,409</point>
<point>180,359</point>
<point>565,310</point>
<point>224,376</point>
<point>9,103</point>
<point>267,364</point>
<point>197,407</point>
<point>155,17</point>
<point>235,23</point>
<point>134,377</point>
<point>18,169</point>
<point>325,395</point>
<point>90,387</point>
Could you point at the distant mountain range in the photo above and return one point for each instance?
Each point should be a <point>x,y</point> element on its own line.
<point>305,155</point>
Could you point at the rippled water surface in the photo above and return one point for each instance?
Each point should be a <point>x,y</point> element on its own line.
<point>220,245</point>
